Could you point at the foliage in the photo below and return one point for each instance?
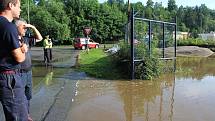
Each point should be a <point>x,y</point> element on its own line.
<point>117,66</point>
<point>148,68</point>
<point>172,5</point>
<point>65,19</point>
<point>46,17</point>
<point>196,42</point>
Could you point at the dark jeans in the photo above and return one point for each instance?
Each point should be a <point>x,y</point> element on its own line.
<point>47,55</point>
<point>27,79</point>
<point>12,97</point>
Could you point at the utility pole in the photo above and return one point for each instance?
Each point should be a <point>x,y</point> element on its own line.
<point>129,10</point>
<point>28,12</point>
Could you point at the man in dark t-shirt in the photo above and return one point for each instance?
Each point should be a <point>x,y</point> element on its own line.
<point>12,54</point>
<point>25,70</point>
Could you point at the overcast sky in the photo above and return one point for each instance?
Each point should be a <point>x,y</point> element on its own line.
<point>209,3</point>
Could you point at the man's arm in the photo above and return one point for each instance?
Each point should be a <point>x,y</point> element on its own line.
<point>38,36</point>
<point>19,53</point>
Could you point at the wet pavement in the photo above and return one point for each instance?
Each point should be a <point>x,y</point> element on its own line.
<point>54,84</point>
<point>61,94</point>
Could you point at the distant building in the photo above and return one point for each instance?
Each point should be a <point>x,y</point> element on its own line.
<point>207,36</point>
<point>181,35</point>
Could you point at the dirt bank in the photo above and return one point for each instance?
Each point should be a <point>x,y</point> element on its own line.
<point>189,51</point>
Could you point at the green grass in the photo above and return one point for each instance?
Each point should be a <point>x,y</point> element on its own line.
<point>98,64</point>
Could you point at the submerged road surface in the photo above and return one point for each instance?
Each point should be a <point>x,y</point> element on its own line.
<point>54,84</point>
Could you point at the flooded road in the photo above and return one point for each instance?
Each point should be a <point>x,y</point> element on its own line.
<point>53,84</point>
<point>47,83</point>
<point>187,95</point>
<point>61,94</point>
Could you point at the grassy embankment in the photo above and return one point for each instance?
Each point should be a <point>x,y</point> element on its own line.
<point>98,64</point>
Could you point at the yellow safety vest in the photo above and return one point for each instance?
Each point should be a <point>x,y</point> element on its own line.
<point>47,44</point>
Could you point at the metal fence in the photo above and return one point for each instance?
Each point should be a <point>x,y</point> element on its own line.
<point>144,31</point>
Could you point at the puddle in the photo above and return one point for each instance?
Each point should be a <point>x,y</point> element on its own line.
<point>187,95</point>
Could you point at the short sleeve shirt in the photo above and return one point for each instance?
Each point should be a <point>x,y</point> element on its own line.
<point>26,65</point>
<point>8,42</point>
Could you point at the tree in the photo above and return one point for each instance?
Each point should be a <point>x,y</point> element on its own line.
<point>149,9</point>
<point>46,18</point>
<point>159,12</point>
<point>172,5</point>
<point>64,19</point>
<point>139,8</point>
<point>149,3</point>
<point>41,2</point>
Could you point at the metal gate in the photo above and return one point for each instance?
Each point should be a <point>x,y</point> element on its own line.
<point>132,40</point>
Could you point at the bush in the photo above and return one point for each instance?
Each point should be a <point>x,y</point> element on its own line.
<point>196,42</point>
<point>146,69</point>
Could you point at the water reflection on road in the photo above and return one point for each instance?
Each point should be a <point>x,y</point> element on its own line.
<point>187,95</point>
<point>47,82</point>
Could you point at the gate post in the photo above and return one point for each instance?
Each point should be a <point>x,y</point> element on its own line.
<point>163,40</point>
<point>150,37</point>
<point>175,35</point>
<point>132,44</point>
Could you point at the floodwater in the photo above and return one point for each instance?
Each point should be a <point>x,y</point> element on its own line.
<point>47,83</point>
<point>186,95</point>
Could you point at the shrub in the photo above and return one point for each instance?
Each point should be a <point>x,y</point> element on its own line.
<point>148,68</point>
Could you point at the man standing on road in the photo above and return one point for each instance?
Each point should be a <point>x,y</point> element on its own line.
<point>47,47</point>
<point>12,94</point>
<point>26,67</point>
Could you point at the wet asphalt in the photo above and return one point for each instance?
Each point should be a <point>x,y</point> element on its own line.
<point>51,102</point>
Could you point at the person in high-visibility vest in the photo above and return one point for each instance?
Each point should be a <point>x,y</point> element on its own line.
<point>47,47</point>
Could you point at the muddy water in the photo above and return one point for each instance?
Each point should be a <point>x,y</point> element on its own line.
<point>187,95</point>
